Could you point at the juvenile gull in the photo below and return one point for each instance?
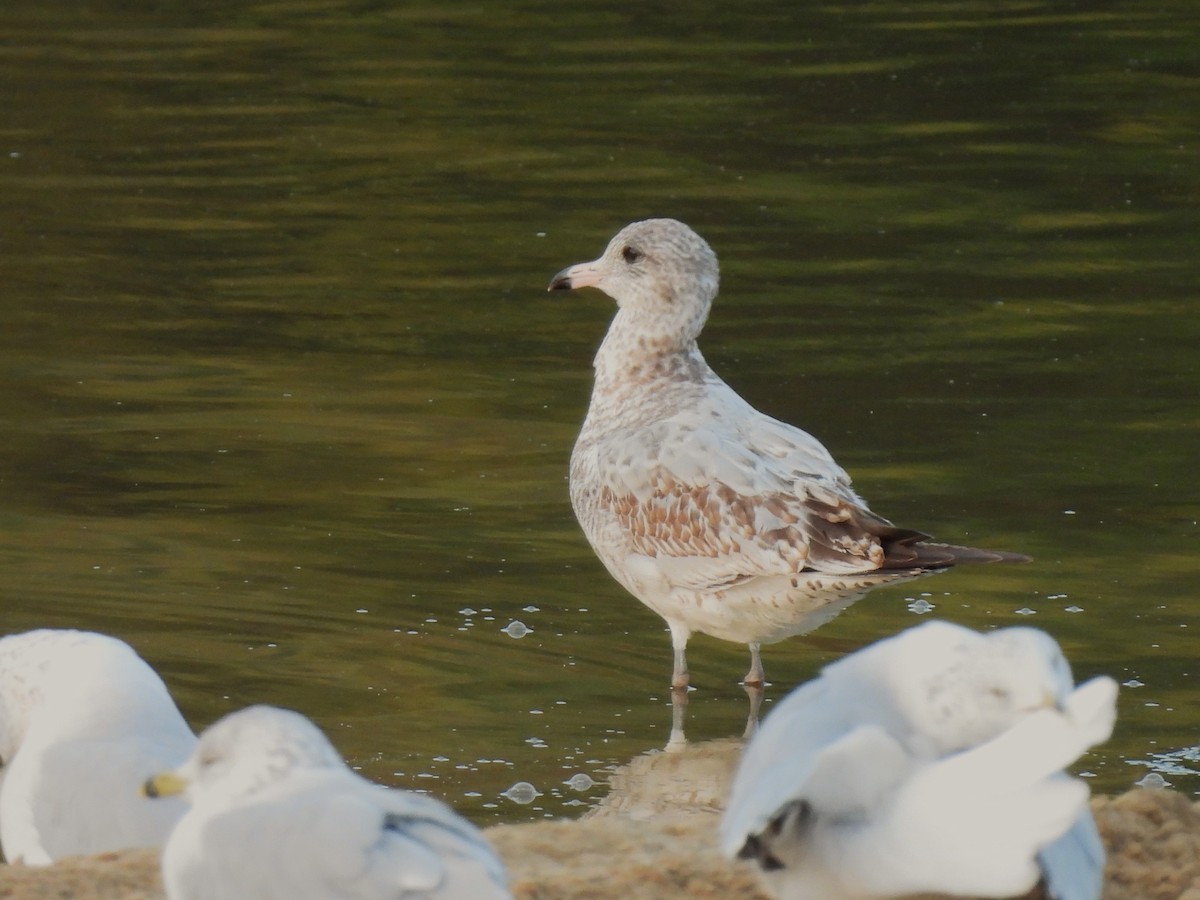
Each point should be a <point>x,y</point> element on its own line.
<point>277,815</point>
<point>927,762</point>
<point>719,518</point>
<point>83,721</point>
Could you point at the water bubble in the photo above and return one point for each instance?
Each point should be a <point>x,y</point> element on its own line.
<point>1074,609</point>
<point>1153,780</point>
<point>1132,683</point>
<point>522,792</point>
<point>1026,611</point>
<point>466,611</point>
<point>516,629</point>
<point>580,781</point>
<point>920,607</point>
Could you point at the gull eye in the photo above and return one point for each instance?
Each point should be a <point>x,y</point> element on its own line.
<point>208,759</point>
<point>630,255</point>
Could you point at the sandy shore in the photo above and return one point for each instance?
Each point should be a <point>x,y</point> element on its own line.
<point>653,838</point>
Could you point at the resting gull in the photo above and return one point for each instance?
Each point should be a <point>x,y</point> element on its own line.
<point>277,815</point>
<point>719,518</point>
<point>83,721</point>
<point>930,761</point>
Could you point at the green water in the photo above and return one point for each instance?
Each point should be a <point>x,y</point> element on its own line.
<point>285,403</point>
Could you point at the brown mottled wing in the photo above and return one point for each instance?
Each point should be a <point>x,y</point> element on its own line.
<point>720,493</point>
<point>709,534</point>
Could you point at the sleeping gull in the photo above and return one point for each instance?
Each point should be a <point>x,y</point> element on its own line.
<point>930,761</point>
<point>83,721</point>
<point>719,518</point>
<point>277,815</point>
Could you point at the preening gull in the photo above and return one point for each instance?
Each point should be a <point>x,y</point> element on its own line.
<point>277,815</point>
<point>719,518</point>
<point>931,761</point>
<point>83,721</point>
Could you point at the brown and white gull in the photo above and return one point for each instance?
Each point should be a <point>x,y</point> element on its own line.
<point>719,518</point>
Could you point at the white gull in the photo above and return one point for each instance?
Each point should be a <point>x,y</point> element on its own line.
<point>719,518</point>
<point>83,721</point>
<point>927,762</point>
<point>277,815</point>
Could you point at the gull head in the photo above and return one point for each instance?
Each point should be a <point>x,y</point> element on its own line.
<point>245,752</point>
<point>970,687</point>
<point>658,267</point>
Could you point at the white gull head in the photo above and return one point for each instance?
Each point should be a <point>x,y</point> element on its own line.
<point>663,276</point>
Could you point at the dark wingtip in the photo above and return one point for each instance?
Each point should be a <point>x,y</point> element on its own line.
<point>935,555</point>
<point>751,848</point>
<point>795,817</point>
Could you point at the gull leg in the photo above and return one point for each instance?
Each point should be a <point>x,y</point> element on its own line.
<point>755,677</point>
<point>679,699</point>
<point>679,639</point>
